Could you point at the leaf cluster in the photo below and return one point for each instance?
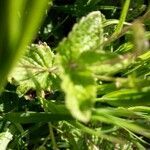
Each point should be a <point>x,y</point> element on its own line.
<point>89,87</point>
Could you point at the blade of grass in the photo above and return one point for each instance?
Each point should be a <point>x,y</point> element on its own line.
<point>124,123</point>
<point>35,117</point>
<point>13,44</point>
<point>97,133</point>
<point>144,18</point>
<point>122,17</point>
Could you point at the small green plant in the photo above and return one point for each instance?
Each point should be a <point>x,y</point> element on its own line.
<point>90,90</point>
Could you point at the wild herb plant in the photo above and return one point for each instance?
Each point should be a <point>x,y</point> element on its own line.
<point>89,90</point>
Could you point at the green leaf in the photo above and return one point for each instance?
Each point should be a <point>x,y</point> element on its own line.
<point>85,35</point>
<point>77,80</point>
<point>5,138</point>
<point>94,57</point>
<point>37,63</point>
<point>79,95</point>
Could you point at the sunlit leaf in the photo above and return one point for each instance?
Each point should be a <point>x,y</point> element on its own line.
<point>77,80</point>
<point>37,62</point>
<point>5,138</point>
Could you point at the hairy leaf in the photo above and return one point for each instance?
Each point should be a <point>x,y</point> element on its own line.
<point>37,63</point>
<point>77,80</point>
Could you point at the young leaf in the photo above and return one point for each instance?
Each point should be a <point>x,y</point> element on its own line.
<point>85,35</point>
<point>77,80</point>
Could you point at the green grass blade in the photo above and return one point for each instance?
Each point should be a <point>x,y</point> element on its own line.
<point>25,19</point>
<point>35,117</point>
<point>97,133</point>
<point>122,17</point>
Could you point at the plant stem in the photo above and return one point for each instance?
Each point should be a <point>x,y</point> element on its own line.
<point>122,17</point>
<point>52,137</point>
